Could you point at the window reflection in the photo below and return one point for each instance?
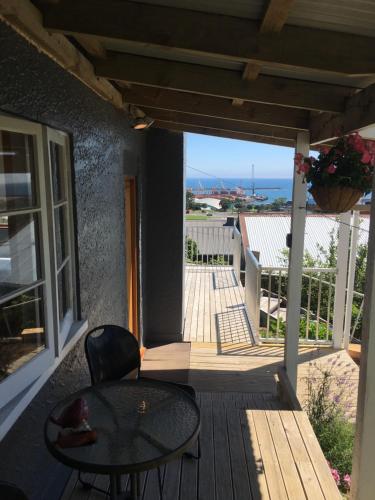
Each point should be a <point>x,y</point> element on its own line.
<point>22,330</point>
<point>19,252</point>
<point>17,171</point>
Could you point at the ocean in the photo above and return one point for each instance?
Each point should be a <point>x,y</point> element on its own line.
<point>272,188</point>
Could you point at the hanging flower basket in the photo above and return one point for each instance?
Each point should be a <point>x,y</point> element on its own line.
<point>341,174</point>
<point>335,199</point>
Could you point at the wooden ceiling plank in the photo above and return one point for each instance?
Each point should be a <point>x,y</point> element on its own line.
<point>220,124</point>
<point>26,19</point>
<point>220,108</point>
<point>221,83</point>
<point>359,113</point>
<point>92,46</point>
<point>276,16</point>
<point>221,133</point>
<point>199,32</point>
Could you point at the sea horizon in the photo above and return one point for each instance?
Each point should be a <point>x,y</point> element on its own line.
<point>271,187</point>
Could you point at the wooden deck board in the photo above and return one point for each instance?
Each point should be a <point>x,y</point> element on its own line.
<point>248,452</point>
<point>214,306</point>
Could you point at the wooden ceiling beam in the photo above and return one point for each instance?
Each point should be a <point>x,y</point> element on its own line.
<point>221,82</point>
<point>92,45</point>
<point>359,113</point>
<point>199,32</point>
<point>276,16</point>
<point>26,19</point>
<point>221,133</point>
<point>273,21</point>
<point>215,107</point>
<point>220,124</point>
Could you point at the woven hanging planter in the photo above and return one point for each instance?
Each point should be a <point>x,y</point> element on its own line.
<point>335,199</point>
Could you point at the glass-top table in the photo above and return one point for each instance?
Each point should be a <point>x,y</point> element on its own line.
<point>140,424</point>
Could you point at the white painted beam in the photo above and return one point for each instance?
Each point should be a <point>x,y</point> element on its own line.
<point>351,276</point>
<point>341,279</point>
<point>363,485</point>
<point>296,265</point>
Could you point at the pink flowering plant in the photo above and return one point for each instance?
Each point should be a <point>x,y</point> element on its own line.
<point>331,411</point>
<point>349,163</point>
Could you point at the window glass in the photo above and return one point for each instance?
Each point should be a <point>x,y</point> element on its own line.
<point>63,286</point>
<point>19,252</point>
<point>60,235</point>
<point>17,171</point>
<point>57,168</point>
<point>22,330</point>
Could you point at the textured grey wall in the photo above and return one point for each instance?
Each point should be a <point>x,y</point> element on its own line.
<point>163,262</point>
<point>104,148</point>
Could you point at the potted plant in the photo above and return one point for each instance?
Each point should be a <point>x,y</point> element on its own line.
<point>341,174</point>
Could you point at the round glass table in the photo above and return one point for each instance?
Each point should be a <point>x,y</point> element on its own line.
<point>140,424</point>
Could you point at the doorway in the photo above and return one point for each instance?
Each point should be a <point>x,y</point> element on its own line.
<point>131,239</point>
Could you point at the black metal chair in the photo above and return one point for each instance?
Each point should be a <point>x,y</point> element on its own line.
<point>112,353</point>
<point>9,491</point>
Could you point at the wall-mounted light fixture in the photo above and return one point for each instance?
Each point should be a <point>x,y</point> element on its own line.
<point>138,119</point>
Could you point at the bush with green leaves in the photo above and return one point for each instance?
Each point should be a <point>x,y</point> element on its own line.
<point>329,409</point>
<point>323,334</point>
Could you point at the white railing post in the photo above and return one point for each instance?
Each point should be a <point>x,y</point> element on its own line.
<point>363,484</point>
<point>237,252</point>
<point>295,266</point>
<point>351,276</point>
<point>253,272</point>
<point>341,277</point>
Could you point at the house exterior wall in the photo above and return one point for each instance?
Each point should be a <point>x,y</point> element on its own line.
<point>104,148</point>
<point>163,256</point>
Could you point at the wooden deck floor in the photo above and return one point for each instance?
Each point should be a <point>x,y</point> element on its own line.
<point>252,448</point>
<point>214,306</point>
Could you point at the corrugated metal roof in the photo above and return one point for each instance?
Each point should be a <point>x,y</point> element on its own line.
<point>350,16</point>
<point>171,54</point>
<point>253,9</point>
<point>211,60</point>
<point>267,235</point>
<point>342,15</point>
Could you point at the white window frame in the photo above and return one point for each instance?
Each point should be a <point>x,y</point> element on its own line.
<point>62,330</point>
<point>18,388</point>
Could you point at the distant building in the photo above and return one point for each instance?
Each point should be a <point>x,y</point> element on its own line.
<point>213,203</point>
<point>265,234</point>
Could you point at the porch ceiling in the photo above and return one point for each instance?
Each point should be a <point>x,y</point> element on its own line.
<point>254,70</point>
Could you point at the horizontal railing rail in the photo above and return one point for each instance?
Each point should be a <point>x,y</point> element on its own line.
<point>266,301</point>
<point>209,245</point>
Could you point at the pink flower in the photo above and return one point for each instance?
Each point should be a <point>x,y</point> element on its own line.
<point>357,143</point>
<point>366,157</point>
<point>335,475</point>
<point>347,481</point>
<point>331,169</point>
<point>305,167</point>
<point>298,158</point>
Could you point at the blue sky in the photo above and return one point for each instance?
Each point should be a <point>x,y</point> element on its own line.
<point>230,158</point>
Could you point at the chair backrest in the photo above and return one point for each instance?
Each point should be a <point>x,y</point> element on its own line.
<point>9,491</point>
<point>112,353</point>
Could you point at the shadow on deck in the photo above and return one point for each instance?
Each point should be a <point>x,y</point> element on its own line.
<point>253,446</point>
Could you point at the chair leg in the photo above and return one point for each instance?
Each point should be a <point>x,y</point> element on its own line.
<point>160,484</point>
<point>89,486</point>
<point>191,455</point>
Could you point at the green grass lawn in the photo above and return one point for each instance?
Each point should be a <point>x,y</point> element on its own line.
<point>196,217</point>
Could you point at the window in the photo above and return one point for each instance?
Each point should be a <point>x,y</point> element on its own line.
<point>37,293</point>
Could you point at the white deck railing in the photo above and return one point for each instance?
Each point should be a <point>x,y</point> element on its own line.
<point>266,302</point>
<point>209,245</point>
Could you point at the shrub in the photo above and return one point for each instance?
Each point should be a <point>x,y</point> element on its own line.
<point>328,408</point>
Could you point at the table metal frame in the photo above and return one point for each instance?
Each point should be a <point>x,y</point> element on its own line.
<point>116,471</point>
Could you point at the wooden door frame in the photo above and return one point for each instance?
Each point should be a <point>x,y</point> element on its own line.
<point>131,253</point>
